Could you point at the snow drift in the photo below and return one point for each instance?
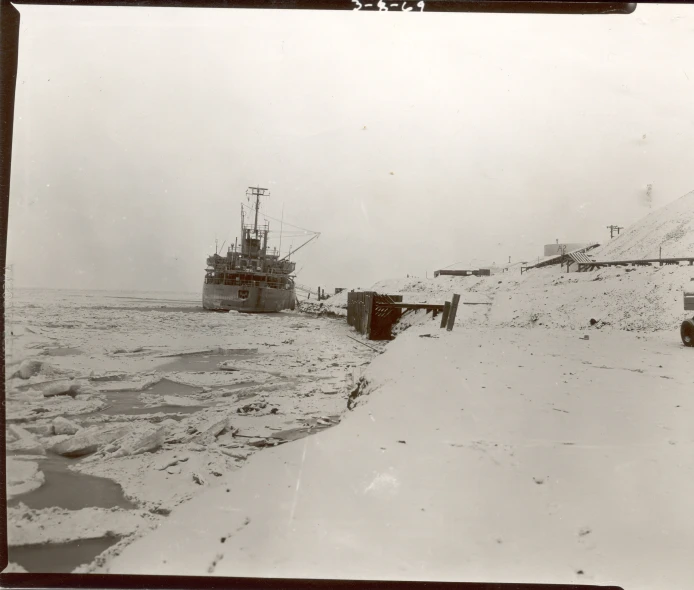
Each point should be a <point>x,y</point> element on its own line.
<point>480,455</point>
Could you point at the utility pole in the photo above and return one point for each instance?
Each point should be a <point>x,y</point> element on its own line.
<point>612,229</point>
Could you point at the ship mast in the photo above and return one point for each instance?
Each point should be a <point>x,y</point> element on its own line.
<point>256,192</point>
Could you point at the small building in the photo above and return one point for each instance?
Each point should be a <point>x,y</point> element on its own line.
<point>558,249</point>
<point>339,290</point>
<point>480,272</point>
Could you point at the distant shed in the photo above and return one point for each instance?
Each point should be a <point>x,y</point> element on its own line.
<point>557,249</point>
<point>480,272</point>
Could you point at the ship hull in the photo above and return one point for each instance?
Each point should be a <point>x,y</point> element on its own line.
<point>246,299</point>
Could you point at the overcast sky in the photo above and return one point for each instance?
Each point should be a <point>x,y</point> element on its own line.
<point>410,141</point>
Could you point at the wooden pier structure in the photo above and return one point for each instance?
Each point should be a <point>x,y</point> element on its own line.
<point>373,315</point>
<point>595,264</point>
<point>566,258</point>
<point>368,313</point>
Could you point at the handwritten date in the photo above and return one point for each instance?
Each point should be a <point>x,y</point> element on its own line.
<point>383,6</point>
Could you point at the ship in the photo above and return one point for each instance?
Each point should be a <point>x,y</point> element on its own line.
<point>251,277</point>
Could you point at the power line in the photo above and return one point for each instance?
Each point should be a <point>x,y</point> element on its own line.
<point>281,221</point>
<point>284,222</point>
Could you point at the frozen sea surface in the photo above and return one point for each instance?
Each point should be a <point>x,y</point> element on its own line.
<point>145,362</point>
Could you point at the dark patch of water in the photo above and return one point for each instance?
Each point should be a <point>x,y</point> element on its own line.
<point>63,351</point>
<point>205,361</point>
<point>60,558</point>
<point>72,490</point>
<point>128,402</point>
<point>168,387</point>
<point>115,377</point>
<point>165,409</point>
<point>202,362</point>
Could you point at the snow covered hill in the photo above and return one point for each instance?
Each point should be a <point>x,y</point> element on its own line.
<point>671,227</point>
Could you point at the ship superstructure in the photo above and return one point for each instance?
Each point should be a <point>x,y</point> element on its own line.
<point>251,277</point>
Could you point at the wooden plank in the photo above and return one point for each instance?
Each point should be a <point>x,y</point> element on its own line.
<point>452,312</point>
<point>350,308</point>
<point>427,306</point>
<point>368,310</point>
<point>444,315</point>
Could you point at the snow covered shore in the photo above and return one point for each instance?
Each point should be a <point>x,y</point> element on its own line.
<point>644,299</point>
<point>477,455</point>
